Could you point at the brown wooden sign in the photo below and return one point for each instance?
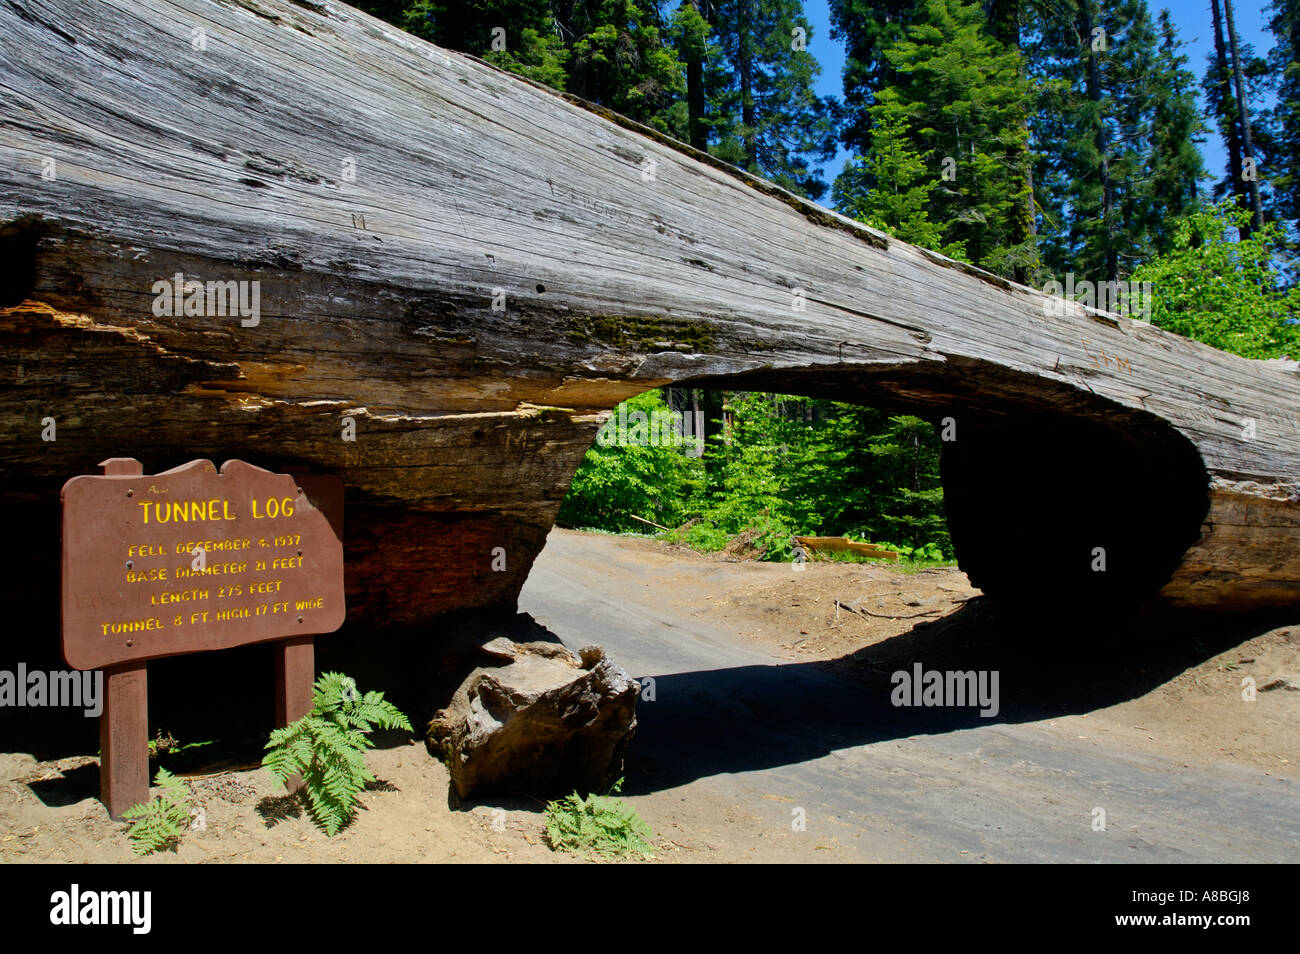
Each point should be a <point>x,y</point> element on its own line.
<point>192,560</point>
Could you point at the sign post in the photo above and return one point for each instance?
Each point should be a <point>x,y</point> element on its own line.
<point>193,560</point>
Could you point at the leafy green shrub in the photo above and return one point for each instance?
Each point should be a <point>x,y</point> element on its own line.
<point>774,538</point>
<point>615,481</point>
<point>930,553</point>
<point>159,823</point>
<point>598,826</point>
<point>1225,291</point>
<point>782,465</point>
<point>327,747</point>
<point>926,553</point>
<point>705,536</point>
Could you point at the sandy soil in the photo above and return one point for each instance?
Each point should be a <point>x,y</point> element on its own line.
<point>406,818</point>
<point>1167,687</point>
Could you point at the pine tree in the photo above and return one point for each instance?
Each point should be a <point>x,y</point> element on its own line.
<point>1236,84</point>
<point>963,98</point>
<point>1175,166</point>
<point>691,38</point>
<point>771,123</point>
<point>867,28</point>
<point>1284,118</point>
<point>892,187</point>
<point>1117,134</point>
<point>1004,23</point>
<point>618,58</point>
<point>611,52</point>
<point>1222,104</point>
<point>1243,117</point>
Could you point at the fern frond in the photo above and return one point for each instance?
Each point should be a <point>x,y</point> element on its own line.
<point>327,747</point>
<point>159,822</point>
<point>597,826</point>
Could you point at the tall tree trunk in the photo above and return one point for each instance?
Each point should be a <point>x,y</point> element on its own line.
<point>1243,116</point>
<point>1085,23</point>
<point>745,70</point>
<point>1004,22</point>
<point>699,134</point>
<point>1031,212</point>
<point>1228,114</point>
<point>565,14</point>
<point>713,401</point>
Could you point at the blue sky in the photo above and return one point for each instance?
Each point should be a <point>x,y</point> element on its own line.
<point>1192,17</point>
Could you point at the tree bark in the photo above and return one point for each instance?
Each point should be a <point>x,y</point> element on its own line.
<point>1243,117</point>
<point>1228,117</point>
<point>1093,86</point>
<point>695,98</point>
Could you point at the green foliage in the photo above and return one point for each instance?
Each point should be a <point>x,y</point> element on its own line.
<point>867,28</point>
<point>1283,121</point>
<point>1225,292</point>
<point>327,747</point>
<point>891,188</point>
<point>1175,165</point>
<point>768,119</point>
<point>598,826</point>
<point>159,823</point>
<point>619,59</point>
<point>705,536</point>
<point>540,57</point>
<point>947,162</point>
<point>630,474</point>
<point>926,553</point>
<point>967,101</point>
<point>784,466</point>
<point>1116,130</point>
<point>607,51</point>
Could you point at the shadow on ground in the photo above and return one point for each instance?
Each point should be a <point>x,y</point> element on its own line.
<point>749,718</point>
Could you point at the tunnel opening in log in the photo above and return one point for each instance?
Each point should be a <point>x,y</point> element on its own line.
<point>1054,499</point>
<point>18,241</point>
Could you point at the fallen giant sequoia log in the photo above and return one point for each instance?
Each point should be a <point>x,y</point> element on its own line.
<point>468,271</point>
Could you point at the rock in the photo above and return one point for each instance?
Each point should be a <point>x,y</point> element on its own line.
<point>501,648</point>
<point>549,721</point>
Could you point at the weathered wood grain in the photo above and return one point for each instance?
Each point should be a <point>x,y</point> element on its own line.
<point>235,163</point>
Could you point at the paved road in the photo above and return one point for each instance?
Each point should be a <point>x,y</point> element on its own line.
<point>736,725</point>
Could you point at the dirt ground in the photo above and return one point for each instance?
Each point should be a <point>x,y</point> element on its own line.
<point>1171,688</point>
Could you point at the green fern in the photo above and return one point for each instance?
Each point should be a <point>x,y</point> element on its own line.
<point>598,826</point>
<point>327,747</point>
<point>159,822</point>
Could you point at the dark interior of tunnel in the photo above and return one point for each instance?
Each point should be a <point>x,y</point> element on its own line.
<point>1070,514</point>
<point>18,241</point>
